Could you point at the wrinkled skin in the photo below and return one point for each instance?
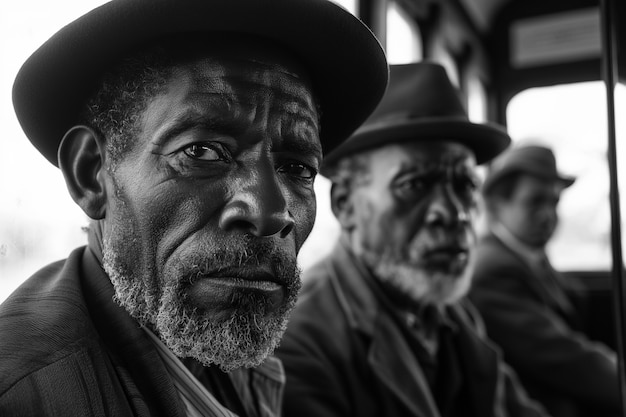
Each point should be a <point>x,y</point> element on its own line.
<point>530,214</point>
<point>209,208</point>
<point>411,221</point>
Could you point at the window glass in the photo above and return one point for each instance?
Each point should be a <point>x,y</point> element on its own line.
<point>572,120</point>
<point>404,44</point>
<point>476,100</point>
<point>442,56</point>
<point>39,222</point>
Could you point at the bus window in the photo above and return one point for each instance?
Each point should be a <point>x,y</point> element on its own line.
<point>572,120</point>
<point>404,43</point>
<point>39,222</point>
<point>476,100</point>
<point>442,56</point>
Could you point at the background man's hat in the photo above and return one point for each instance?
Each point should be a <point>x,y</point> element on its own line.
<point>345,61</point>
<point>422,104</point>
<point>531,159</point>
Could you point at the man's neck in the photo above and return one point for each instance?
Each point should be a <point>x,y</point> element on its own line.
<point>95,239</point>
<point>512,242</point>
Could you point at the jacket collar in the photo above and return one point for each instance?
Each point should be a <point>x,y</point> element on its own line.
<point>530,255</point>
<point>541,276</point>
<point>131,350</point>
<point>390,356</point>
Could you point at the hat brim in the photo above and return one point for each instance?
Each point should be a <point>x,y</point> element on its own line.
<point>485,140</point>
<point>346,63</point>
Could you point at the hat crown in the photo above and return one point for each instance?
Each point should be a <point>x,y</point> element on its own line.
<point>534,160</point>
<point>417,91</point>
<point>419,105</point>
<point>527,158</point>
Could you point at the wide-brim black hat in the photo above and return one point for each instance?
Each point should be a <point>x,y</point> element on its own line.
<point>421,104</point>
<point>535,160</point>
<point>346,63</point>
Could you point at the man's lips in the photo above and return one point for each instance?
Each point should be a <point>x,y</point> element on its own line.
<point>239,282</point>
<point>446,253</point>
<point>252,278</point>
<point>219,290</point>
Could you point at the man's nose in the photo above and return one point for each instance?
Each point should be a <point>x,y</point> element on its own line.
<point>446,209</point>
<point>258,205</point>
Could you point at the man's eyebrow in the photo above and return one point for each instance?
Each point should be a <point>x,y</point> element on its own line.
<point>419,167</point>
<point>187,121</point>
<point>302,146</point>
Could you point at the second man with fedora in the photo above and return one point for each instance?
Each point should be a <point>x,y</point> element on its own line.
<point>381,328</point>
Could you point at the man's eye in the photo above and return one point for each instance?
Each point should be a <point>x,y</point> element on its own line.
<point>413,185</point>
<point>205,152</point>
<point>298,170</point>
<point>468,185</point>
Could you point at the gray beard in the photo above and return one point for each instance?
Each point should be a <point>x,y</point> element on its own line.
<point>243,339</point>
<point>421,286</point>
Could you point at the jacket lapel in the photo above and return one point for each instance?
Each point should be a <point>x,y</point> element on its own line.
<point>392,361</point>
<point>542,280</point>
<point>390,356</point>
<point>136,360</point>
<point>480,365</point>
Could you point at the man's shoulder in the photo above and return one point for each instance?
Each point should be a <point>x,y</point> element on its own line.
<point>318,312</point>
<point>43,321</point>
<point>489,244</point>
<point>317,289</point>
<point>493,258</point>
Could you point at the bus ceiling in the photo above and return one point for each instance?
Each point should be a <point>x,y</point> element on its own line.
<point>516,44</point>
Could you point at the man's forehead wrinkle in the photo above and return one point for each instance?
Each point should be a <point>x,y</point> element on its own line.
<point>293,99</point>
<point>222,75</point>
<point>241,69</point>
<point>303,123</point>
<point>259,66</point>
<point>300,144</point>
<point>236,94</point>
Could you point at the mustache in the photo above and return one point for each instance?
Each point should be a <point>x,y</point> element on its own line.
<point>243,254</point>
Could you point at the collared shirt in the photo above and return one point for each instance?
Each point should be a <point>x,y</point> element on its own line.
<point>426,326</point>
<point>532,256</point>
<point>260,389</point>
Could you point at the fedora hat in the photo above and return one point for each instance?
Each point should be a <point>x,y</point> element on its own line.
<point>534,160</point>
<point>421,104</point>
<point>346,63</point>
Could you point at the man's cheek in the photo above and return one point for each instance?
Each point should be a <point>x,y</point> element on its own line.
<point>304,216</point>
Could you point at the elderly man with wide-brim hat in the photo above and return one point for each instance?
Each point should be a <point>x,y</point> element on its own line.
<point>190,132</point>
<point>526,304</point>
<point>380,328</point>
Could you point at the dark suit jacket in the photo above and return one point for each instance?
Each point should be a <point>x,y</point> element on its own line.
<point>67,349</point>
<point>346,356</point>
<point>559,366</point>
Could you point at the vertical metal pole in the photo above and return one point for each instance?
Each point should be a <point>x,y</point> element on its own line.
<point>374,15</point>
<point>609,74</point>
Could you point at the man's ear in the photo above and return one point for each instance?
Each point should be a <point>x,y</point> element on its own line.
<point>81,160</point>
<point>341,203</point>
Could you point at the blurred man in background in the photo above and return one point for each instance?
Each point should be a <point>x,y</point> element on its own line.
<point>524,300</point>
